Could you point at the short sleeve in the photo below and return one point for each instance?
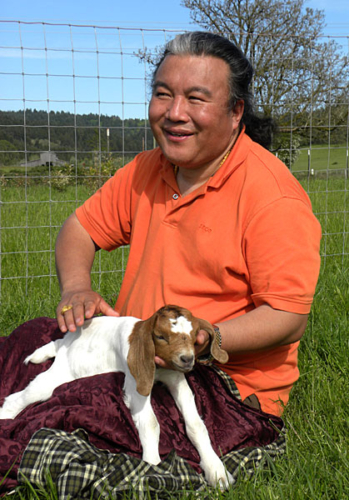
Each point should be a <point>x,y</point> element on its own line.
<point>106,215</point>
<point>282,250</point>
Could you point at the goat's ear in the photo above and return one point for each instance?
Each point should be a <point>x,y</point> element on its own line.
<point>219,354</point>
<point>141,356</point>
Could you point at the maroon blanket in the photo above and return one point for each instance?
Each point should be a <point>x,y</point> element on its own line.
<point>96,405</point>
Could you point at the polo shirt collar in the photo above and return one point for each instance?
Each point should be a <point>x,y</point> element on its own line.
<point>236,157</point>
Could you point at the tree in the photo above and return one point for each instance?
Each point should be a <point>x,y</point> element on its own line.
<point>8,153</point>
<point>296,71</point>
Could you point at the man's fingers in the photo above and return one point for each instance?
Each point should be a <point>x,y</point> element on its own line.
<point>69,317</point>
<point>160,362</point>
<point>202,337</point>
<point>70,321</point>
<point>61,322</point>
<point>89,308</point>
<point>65,318</point>
<point>73,309</point>
<point>106,309</point>
<point>202,343</point>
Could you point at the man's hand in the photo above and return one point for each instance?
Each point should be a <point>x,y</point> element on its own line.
<point>202,344</point>
<point>85,304</point>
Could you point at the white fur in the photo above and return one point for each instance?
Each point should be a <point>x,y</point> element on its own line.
<point>181,325</point>
<point>101,345</point>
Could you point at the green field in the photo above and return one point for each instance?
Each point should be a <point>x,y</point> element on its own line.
<point>323,157</point>
<point>316,465</point>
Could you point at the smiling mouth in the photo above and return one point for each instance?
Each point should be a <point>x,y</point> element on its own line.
<point>178,134</point>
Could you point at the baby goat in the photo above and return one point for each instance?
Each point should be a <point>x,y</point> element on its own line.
<point>127,344</point>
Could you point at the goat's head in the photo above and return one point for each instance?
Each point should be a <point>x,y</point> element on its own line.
<point>170,334</point>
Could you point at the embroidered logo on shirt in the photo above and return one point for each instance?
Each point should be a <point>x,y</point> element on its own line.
<point>205,228</point>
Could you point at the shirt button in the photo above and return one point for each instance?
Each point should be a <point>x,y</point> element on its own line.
<point>175,196</point>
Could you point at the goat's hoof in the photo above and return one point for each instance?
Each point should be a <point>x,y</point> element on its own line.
<point>218,476</point>
<point>152,460</point>
<point>11,408</point>
<point>31,359</point>
<point>225,482</point>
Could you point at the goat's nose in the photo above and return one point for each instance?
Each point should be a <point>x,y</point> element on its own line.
<point>187,359</point>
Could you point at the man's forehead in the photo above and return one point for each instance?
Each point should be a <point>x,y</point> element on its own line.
<point>195,73</point>
<point>201,89</point>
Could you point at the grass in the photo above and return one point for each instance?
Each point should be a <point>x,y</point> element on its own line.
<point>316,465</point>
<point>322,157</point>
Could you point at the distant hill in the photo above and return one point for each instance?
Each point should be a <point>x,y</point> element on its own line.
<point>66,134</point>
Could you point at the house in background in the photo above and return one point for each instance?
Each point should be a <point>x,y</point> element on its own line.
<point>48,159</point>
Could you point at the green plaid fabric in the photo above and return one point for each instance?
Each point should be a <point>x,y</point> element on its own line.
<point>80,470</point>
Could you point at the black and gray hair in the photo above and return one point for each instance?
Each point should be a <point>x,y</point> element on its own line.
<point>201,43</point>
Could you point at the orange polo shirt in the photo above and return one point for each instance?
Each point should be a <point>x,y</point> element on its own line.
<point>245,238</point>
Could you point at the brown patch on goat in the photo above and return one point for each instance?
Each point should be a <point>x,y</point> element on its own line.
<point>141,355</point>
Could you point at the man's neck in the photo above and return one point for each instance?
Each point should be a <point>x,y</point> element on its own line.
<point>188,180</point>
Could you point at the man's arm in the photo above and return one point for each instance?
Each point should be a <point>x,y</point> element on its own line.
<point>258,330</point>
<point>75,252</point>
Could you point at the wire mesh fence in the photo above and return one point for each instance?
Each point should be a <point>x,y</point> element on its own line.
<point>73,109</point>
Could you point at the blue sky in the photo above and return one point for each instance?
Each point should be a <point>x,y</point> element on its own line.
<point>141,13</point>
<point>95,69</point>
<point>337,15</point>
<point>131,13</point>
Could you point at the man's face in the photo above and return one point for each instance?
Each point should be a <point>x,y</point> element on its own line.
<point>189,112</point>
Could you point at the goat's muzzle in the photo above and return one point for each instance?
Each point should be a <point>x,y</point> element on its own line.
<point>184,363</point>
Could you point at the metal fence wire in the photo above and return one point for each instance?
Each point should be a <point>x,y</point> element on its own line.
<point>73,109</point>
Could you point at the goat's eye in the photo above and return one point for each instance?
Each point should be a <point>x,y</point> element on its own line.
<point>160,337</point>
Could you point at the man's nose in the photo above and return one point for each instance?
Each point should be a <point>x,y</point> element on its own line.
<point>177,110</point>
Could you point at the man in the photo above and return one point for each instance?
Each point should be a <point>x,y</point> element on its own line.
<point>214,221</point>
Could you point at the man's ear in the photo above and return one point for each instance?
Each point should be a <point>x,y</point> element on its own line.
<point>237,113</point>
<point>141,356</point>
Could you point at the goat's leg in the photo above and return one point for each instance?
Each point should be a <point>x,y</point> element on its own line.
<point>144,419</point>
<point>44,353</point>
<point>213,467</point>
<point>39,389</point>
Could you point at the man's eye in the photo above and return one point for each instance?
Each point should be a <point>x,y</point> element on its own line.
<point>162,94</point>
<point>195,98</point>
